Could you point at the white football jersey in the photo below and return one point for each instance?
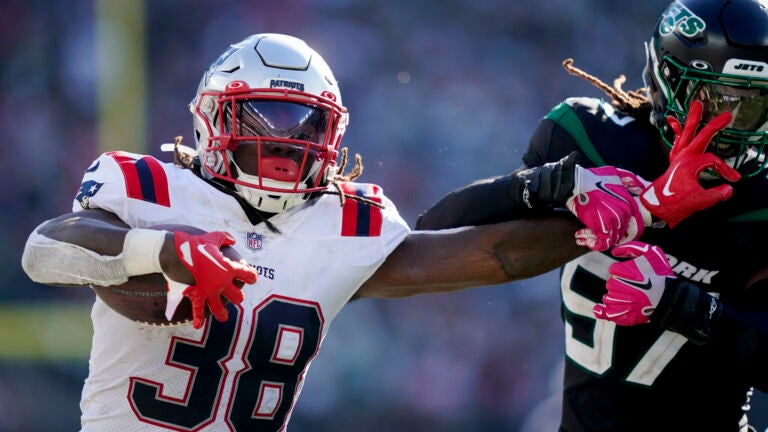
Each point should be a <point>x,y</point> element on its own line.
<point>244,374</point>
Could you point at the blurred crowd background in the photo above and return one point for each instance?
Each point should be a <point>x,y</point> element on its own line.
<point>440,92</point>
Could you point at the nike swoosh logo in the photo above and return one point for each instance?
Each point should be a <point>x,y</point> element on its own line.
<point>645,285</point>
<point>602,224</point>
<point>205,253</point>
<point>642,249</point>
<point>666,191</point>
<point>600,186</point>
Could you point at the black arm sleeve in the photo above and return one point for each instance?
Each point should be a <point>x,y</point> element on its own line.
<point>524,193</point>
<point>705,320</point>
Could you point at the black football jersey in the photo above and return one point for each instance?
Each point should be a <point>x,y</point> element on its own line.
<point>646,378</point>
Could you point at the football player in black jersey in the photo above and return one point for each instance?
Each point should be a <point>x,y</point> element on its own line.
<point>693,366</point>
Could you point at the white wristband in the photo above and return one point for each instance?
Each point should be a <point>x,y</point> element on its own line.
<point>141,251</point>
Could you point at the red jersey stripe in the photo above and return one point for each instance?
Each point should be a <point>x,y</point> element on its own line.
<point>144,178</point>
<point>360,219</point>
<point>348,212</point>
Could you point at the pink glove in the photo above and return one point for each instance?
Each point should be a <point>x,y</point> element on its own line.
<point>604,200</point>
<point>635,286</point>
<point>681,194</point>
<point>214,273</point>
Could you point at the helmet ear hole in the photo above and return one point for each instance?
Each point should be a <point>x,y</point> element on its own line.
<point>213,161</point>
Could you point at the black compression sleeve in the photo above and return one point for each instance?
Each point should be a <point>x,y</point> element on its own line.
<point>520,194</point>
<point>478,203</point>
<point>687,310</point>
<point>705,320</point>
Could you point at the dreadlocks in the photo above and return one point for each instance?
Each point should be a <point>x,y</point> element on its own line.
<point>340,177</point>
<point>181,159</point>
<point>631,102</point>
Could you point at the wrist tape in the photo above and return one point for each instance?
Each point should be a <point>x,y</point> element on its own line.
<point>141,251</point>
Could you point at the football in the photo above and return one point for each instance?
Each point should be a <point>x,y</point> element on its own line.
<point>143,298</point>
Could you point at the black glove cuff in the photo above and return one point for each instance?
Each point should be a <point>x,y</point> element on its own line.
<point>547,186</point>
<point>685,309</point>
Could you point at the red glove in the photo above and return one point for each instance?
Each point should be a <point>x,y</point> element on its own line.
<point>604,200</point>
<point>635,286</point>
<point>681,194</point>
<point>214,273</point>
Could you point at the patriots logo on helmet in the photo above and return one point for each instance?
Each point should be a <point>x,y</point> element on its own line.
<point>87,190</point>
<point>287,84</point>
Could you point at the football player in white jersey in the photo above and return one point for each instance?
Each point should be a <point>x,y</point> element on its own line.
<point>268,122</point>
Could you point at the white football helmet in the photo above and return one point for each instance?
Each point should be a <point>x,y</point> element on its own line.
<point>282,141</point>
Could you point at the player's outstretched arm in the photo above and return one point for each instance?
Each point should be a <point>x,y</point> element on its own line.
<point>604,199</point>
<point>429,262</point>
<point>503,198</point>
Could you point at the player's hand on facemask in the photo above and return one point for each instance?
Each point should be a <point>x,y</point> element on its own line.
<point>605,201</point>
<point>678,194</point>
<point>214,274</point>
<point>635,286</point>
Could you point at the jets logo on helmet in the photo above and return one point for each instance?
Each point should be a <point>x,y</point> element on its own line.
<point>679,18</point>
<point>746,68</point>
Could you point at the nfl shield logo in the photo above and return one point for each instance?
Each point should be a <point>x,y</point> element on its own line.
<point>253,240</point>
